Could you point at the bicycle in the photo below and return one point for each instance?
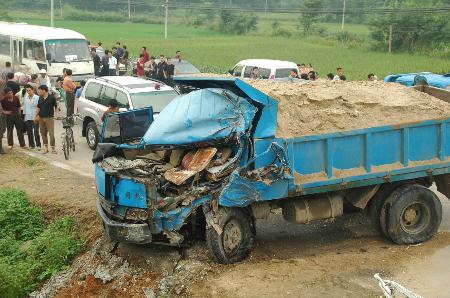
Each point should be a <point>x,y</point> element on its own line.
<point>68,141</point>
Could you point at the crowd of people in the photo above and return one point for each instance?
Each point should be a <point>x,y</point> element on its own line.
<point>28,105</point>
<point>115,62</point>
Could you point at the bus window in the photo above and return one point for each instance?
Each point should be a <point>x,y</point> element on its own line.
<point>34,50</point>
<point>5,45</point>
<point>68,50</point>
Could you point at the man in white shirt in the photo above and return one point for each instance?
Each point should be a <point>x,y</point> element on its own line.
<point>30,102</point>
<point>43,78</point>
<point>112,64</point>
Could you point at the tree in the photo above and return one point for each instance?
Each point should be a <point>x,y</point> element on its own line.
<point>310,17</point>
<point>411,31</point>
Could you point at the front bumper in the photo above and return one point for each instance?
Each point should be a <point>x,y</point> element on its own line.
<point>124,232</point>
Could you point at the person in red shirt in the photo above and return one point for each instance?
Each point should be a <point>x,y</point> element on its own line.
<point>140,71</point>
<point>146,55</point>
<point>11,108</point>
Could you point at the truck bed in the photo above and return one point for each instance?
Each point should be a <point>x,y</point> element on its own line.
<point>363,157</point>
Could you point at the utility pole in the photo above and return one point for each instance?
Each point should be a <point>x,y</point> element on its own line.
<point>51,14</point>
<point>167,17</point>
<point>343,16</point>
<point>60,8</point>
<point>129,10</point>
<point>265,8</point>
<point>390,38</point>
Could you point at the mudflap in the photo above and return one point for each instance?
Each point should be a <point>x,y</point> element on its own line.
<point>443,184</point>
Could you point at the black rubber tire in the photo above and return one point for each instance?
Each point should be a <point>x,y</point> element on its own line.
<point>65,146</point>
<point>92,126</point>
<point>232,218</point>
<point>426,209</point>
<point>73,141</point>
<point>376,204</point>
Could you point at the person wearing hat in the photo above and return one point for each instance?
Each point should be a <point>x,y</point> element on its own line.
<point>43,78</point>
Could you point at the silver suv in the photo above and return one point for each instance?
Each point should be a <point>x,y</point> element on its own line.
<point>130,93</point>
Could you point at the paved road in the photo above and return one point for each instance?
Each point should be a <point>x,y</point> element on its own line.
<point>79,161</point>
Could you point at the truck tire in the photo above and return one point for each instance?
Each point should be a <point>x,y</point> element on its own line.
<point>376,204</point>
<point>411,214</point>
<point>237,239</point>
<point>92,135</point>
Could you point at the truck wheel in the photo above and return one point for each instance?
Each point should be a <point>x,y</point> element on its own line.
<point>412,214</point>
<point>92,135</point>
<point>237,238</point>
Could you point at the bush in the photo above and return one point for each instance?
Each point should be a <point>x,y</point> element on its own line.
<point>237,23</point>
<point>29,257</point>
<point>18,218</point>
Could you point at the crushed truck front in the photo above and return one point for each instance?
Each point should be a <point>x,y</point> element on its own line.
<point>150,189</point>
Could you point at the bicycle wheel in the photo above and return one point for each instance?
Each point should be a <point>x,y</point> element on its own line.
<point>65,146</point>
<point>72,140</point>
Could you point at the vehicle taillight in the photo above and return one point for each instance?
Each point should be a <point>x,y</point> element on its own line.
<point>272,77</point>
<point>158,86</point>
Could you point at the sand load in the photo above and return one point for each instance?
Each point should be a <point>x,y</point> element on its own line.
<point>328,106</point>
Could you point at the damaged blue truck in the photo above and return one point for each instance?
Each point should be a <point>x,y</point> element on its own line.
<point>211,162</point>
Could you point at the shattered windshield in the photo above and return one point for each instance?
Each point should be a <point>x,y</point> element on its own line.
<point>67,50</point>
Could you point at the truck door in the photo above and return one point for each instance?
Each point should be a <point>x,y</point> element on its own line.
<point>126,127</point>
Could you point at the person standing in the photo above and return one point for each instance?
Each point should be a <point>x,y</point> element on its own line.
<point>339,75</point>
<point>161,65</point>
<point>169,72</point>
<point>112,62</point>
<point>11,108</point>
<point>99,47</point>
<point>119,52</point>
<point>125,57</point>
<point>97,62</point>
<point>2,118</point>
<point>11,83</point>
<point>6,70</point>
<point>45,113</point>
<point>146,55</point>
<point>69,87</point>
<point>140,71</point>
<point>105,64</point>
<point>30,102</point>
<point>294,74</point>
<point>178,56</point>
<point>43,78</point>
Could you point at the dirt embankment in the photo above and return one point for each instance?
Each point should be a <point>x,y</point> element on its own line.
<point>329,106</point>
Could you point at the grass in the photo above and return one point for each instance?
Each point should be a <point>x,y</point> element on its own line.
<point>30,250</point>
<point>210,50</point>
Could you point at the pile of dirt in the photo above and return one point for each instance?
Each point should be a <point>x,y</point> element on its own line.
<point>328,106</point>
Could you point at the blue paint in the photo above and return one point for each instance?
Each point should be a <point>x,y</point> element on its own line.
<point>412,79</point>
<point>200,116</point>
<point>129,193</point>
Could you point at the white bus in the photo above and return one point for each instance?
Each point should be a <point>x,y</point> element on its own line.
<point>31,48</point>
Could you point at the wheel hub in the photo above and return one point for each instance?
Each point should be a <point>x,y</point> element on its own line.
<point>411,214</point>
<point>415,218</point>
<point>232,237</point>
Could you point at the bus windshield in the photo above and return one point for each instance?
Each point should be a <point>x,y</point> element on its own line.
<point>67,50</point>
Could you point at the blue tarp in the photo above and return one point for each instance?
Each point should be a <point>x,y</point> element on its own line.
<point>200,116</point>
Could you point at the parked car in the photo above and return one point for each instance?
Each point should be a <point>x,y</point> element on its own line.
<point>421,78</point>
<point>268,69</point>
<point>130,93</point>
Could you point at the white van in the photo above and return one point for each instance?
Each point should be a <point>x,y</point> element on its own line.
<point>31,48</point>
<point>268,69</point>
